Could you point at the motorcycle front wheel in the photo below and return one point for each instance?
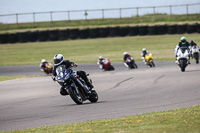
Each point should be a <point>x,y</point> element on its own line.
<point>183,65</point>
<point>75,95</point>
<point>110,67</point>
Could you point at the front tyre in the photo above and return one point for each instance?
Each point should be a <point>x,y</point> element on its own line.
<point>75,95</point>
<point>110,67</point>
<point>183,65</point>
<point>93,97</point>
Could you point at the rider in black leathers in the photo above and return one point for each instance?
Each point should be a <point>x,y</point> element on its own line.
<point>126,55</point>
<point>184,44</point>
<point>59,60</point>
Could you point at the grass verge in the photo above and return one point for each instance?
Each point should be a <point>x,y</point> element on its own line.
<point>145,19</point>
<point>4,78</point>
<point>179,120</point>
<point>88,50</point>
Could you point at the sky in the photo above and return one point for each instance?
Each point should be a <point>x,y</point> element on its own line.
<point>26,6</point>
<point>30,6</point>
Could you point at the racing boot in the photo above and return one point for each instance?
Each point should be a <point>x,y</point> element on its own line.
<point>63,92</point>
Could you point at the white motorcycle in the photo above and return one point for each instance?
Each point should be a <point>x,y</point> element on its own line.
<point>182,58</point>
<point>195,53</point>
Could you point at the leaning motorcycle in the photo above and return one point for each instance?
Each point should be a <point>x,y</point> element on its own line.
<point>182,58</point>
<point>106,65</point>
<point>130,63</point>
<point>75,85</point>
<point>195,54</point>
<point>48,68</point>
<point>149,60</point>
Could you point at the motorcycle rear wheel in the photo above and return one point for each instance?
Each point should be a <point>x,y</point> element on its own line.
<point>196,56</point>
<point>153,64</point>
<point>93,97</point>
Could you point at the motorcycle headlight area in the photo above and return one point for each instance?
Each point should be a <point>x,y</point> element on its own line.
<point>67,76</point>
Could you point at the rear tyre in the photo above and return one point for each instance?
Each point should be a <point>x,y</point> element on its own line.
<point>135,65</point>
<point>153,65</point>
<point>76,97</point>
<point>197,58</point>
<point>93,96</point>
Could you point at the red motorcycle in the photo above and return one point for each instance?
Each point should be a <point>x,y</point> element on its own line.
<point>106,65</point>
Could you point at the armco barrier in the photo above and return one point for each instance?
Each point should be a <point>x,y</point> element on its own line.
<point>191,28</point>
<point>73,33</point>
<point>23,37</point>
<point>43,36</point>
<point>63,34</point>
<point>123,31</point>
<point>133,30</point>
<point>143,30</point>
<point>104,32</point>
<point>94,33</point>
<point>152,30</point>
<point>172,29</point>
<point>3,38</point>
<point>33,36</point>
<point>114,31</point>
<point>162,29</point>
<point>84,33</point>
<point>181,29</point>
<point>53,35</point>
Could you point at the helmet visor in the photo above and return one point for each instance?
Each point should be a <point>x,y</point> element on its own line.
<point>57,61</point>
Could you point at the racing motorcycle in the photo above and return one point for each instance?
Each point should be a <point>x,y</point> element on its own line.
<point>75,85</point>
<point>182,58</point>
<point>130,63</point>
<point>149,60</point>
<point>195,53</point>
<point>48,68</point>
<point>106,65</point>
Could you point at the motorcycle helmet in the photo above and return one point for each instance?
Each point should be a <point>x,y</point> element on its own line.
<point>144,49</point>
<point>125,53</point>
<point>43,60</point>
<point>58,59</point>
<point>100,57</point>
<point>183,40</point>
<point>192,42</point>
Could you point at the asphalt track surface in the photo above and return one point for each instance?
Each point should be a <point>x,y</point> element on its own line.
<point>36,102</point>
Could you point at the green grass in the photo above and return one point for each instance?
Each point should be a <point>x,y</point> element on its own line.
<point>4,78</point>
<point>179,121</point>
<point>161,46</point>
<point>145,19</point>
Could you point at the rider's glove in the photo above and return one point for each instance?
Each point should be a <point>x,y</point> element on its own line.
<point>74,65</point>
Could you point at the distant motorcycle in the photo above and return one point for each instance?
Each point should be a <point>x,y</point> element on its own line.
<point>48,68</point>
<point>195,53</point>
<point>106,65</point>
<point>182,58</point>
<point>149,60</point>
<point>130,63</point>
<point>75,85</point>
